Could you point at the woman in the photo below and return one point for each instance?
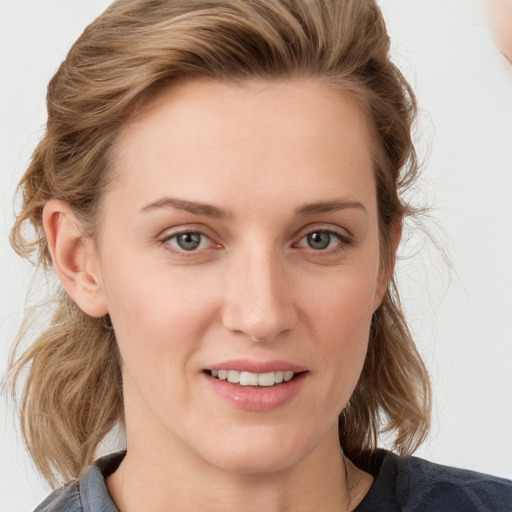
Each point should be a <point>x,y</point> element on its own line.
<point>218,191</point>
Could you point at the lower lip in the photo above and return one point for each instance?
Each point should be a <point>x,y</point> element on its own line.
<point>257,399</point>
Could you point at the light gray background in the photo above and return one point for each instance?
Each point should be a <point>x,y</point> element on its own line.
<point>461,318</point>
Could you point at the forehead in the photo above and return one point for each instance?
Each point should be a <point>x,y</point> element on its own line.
<point>205,139</point>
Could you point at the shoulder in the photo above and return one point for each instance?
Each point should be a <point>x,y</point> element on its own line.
<point>66,499</point>
<point>87,494</point>
<point>413,484</point>
<point>429,486</point>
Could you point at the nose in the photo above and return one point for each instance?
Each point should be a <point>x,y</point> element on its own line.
<point>259,299</point>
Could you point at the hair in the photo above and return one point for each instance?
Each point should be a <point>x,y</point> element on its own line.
<point>72,396</point>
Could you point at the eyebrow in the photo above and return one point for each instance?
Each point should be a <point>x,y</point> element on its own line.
<point>330,206</point>
<point>209,210</point>
<point>194,207</point>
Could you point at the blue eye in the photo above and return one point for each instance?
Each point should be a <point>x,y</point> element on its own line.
<point>319,240</point>
<point>189,241</point>
<point>322,239</point>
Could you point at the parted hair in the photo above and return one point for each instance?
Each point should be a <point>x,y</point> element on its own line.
<point>68,382</point>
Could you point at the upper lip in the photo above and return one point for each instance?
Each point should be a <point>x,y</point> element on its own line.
<point>246,365</point>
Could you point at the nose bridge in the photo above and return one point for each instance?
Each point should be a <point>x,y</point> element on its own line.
<point>259,302</point>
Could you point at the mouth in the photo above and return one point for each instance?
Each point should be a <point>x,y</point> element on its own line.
<point>256,386</point>
<point>243,378</point>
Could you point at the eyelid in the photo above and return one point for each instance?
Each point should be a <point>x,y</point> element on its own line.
<point>202,236</point>
<point>343,233</point>
<point>192,227</point>
<point>346,239</point>
<point>168,234</point>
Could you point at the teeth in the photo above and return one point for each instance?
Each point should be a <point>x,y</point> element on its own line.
<point>233,376</point>
<point>253,379</point>
<point>248,379</point>
<point>288,376</point>
<point>266,379</point>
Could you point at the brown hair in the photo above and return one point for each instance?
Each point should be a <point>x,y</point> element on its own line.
<point>73,394</point>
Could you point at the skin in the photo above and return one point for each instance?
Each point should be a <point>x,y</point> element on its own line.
<point>500,12</point>
<point>259,153</point>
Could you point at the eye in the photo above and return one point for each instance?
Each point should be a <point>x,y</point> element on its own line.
<point>323,240</point>
<point>188,241</point>
<point>319,240</point>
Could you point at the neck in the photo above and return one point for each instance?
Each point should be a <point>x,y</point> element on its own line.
<point>323,480</point>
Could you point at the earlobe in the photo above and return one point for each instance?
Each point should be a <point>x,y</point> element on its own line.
<point>73,258</point>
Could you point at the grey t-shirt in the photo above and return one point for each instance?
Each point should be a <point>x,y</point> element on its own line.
<point>401,484</point>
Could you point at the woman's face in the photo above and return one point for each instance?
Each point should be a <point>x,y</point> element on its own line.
<point>240,235</point>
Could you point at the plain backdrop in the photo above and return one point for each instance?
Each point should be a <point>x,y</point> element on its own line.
<point>460,313</point>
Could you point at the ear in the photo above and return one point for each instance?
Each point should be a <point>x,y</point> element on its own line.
<point>388,264</point>
<point>74,258</point>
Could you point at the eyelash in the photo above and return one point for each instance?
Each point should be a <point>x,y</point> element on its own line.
<point>182,253</point>
<point>344,242</point>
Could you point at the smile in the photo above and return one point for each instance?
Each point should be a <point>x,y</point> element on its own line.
<point>267,379</point>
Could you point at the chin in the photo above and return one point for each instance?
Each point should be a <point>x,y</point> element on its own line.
<point>257,463</point>
<point>258,451</point>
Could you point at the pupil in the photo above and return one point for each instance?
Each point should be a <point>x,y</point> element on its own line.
<point>319,240</point>
<point>189,241</point>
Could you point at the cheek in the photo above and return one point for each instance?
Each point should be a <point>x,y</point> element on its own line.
<point>345,302</point>
<point>348,328</point>
<point>157,316</point>
<point>341,316</point>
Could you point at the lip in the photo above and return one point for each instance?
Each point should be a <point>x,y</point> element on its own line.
<point>246,365</point>
<point>252,398</point>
